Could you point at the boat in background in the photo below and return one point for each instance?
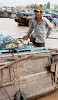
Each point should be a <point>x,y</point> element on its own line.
<point>23,18</point>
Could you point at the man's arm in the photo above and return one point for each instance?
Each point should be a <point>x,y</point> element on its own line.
<point>49,26</point>
<point>48,32</point>
<point>30,28</point>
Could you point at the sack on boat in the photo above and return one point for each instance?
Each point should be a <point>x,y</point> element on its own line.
<point>20,45</point>
<point>12,45</point>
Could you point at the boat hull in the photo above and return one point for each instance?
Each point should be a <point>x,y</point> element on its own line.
<point>34,73</point>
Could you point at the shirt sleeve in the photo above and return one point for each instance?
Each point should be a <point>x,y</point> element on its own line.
<point>49,27</point>
<point>48,22</point>
<point>30,28</point>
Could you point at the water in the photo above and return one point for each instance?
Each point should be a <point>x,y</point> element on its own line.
<point>52,96</point>
<point>9,26</point>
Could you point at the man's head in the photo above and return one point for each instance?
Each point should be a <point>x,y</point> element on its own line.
<point>38,12</point>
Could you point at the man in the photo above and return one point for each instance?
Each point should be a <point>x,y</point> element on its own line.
<point>39,29</point>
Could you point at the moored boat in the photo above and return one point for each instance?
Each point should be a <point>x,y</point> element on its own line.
<point>26,75</point>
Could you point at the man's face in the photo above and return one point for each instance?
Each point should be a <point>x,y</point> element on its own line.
<point>38,13</point>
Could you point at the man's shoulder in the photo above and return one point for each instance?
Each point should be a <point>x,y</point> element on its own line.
<point>44,18</point>
<point>32,18</point>
<point>48,22</point>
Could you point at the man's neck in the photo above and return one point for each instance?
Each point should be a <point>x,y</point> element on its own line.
<point>38,19</point>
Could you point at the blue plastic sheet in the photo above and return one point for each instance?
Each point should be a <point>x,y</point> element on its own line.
<point>27,48</point>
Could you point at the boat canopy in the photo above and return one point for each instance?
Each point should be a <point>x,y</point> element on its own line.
<point>47,15</point>
<point>27,13</point>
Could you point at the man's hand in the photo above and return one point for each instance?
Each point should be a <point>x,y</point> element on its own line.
<point>25,37</point>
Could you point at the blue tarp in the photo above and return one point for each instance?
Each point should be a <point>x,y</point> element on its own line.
<point>55,19</point>
<point>1,34</point>
<point>27,13</point>
<point>46,15</point>
<point>5,38</point>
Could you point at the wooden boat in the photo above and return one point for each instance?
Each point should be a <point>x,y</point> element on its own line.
<point>26,75</point>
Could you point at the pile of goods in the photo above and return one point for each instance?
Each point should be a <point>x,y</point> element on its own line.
<point>7,42</point>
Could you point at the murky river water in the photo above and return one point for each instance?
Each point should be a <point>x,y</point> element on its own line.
<point>52,96</point>
<point>9,26</point>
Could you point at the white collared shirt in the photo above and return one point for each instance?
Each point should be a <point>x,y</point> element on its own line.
<point>40,30</point>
